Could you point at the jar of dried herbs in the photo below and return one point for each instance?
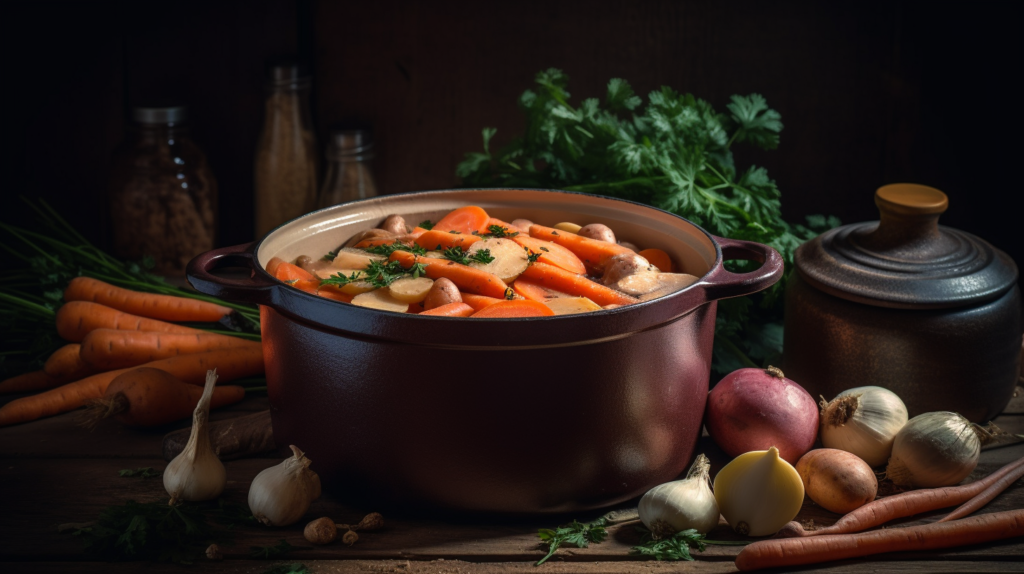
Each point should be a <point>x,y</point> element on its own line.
<point>163,196</point>
<point>286,155</point>
<point>348,170</point>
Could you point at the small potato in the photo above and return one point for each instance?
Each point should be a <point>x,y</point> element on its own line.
<point>442,292</point>
<point>837,480</point>
<point>630,246</point>
<point>572,305</point>
<point>380,299</point>
<point>623,265</point>
<point>395,224</point>
<point>411,290</point>
<point>523,224</point>
<point>597,231</point>
<point>567,226</point>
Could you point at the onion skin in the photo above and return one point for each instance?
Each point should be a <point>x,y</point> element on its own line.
<point>837,480</point>
<point>751,409</point>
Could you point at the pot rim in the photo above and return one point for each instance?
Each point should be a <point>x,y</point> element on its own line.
<point>583,328</point>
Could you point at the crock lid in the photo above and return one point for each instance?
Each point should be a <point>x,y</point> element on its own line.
<point>166,115</point>
<point>906,260</point>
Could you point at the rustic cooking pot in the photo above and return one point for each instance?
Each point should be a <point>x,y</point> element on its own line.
<point>929,312</point>
<point>550,414</point>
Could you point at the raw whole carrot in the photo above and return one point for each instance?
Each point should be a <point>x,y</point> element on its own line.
<point>450,310</point>
<point>66,363</point>
<point>592,252</point>
<point>33,381</point>
<point>561,280</point>
<point>464,220</point>
<point>904,504</point>
<point>998,485</point>
<point>288,272</point>
<point>658,258</point>
<point>512,309</point>
<point>963,532</point>
<point>478,302</point>
<point>552,253</point>
<point>535,291</point>
<point>465,278</point>
<point>163,307</point>
<point>147,397</point>
<point>231,364</point>
<point>107,349</point>
<point>435,240</point>
<point>76,319</point>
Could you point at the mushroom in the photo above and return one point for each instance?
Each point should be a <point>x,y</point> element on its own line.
<point>597,231</point>
<point>395,224</point>
<point>623,265</point>
<point>629,246</point>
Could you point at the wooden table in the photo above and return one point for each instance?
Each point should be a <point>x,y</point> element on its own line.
<point>52,472</point>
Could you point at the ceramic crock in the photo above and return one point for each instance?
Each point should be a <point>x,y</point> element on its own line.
<point>538,415</point>
<point>929,312</point>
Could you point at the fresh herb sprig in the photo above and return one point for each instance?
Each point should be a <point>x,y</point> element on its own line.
<point>339,279</point>
<point>426,224</point>
<point>677,546</point>
<point>295,568</point>
<point>499,232</point>
<point>578,534</point>
<point>482,256</point>
<point>270,552</point>
<point>388,249</point>
<point>146,472</point>
<point>456,254</point>
<point>330,256</point>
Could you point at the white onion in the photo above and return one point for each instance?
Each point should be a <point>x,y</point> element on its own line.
<point>863,421</point>
<point>935,449</point>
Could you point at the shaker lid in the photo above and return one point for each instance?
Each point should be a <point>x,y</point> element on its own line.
<point>906,260</point>
<point>285,71</point>
<point>163,115</point>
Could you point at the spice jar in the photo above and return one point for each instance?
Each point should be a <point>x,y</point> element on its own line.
<point>348,172</point>
<point>286,158</point>
<point>163,196</point>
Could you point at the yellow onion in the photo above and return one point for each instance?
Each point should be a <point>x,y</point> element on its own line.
<point>759,492</point>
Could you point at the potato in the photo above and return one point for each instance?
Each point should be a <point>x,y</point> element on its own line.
<point>567,226</point>
<point>623,265</point>
<point>572,305</point>
<point>630,246</point>
<point>380,299</point>
<point>352,258</point>
<point>371,234</point>
<point>510,259</point>
<point>837,480</point>
<point>442,292</point>
<point>395,224</point>
<point>411,290</point>
<point>597,231</point>
<point>669,283</point>
<point>522,224</point>
<point>354,288</point>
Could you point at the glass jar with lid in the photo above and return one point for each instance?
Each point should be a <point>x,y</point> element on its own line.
<point>348,170</point>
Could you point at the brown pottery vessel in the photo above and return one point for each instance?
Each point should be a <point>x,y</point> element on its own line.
<point>538,415</point>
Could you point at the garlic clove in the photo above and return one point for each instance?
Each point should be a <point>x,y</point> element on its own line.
<point>863,421</point>
<point>281,494</point>
<point>759,492</point>
<point>196,474</point>
<point>681,504</point>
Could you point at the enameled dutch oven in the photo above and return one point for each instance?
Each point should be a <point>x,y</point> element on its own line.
<point>929,312</point>
<point>517,416</point>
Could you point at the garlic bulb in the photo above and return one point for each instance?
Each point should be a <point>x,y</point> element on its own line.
<point>759,492</point>
<point>863,421</point>
<point>935,449</point>
<point>281,494</point>
<point>681,504</point>
<point>196,474</point>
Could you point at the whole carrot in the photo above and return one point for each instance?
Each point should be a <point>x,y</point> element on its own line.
<point>1001,483</point>
<point>66,363</point>
<point>592,252</point>
<point>28,382</point>
<point>163,307</point>
<point>798,551</point>
<point>106,349</point>
<point>559,279</point>
<point>441,240</point>
<point>76,319</point>
<point>232,363</point>
<point>450,310</point>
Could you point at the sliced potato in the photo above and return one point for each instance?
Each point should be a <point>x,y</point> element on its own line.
<point>572,305</point>
<point>435,254</point>
<point>380,299</point>
<point>354,288</point>
<point>510,259</point>
<point>411,290</point>
<point>352,258</point>
<point>651,285</point>
<point>568,226</point>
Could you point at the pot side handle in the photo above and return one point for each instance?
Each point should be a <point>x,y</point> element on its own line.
<point>723,284</point>
<point>257,289</point>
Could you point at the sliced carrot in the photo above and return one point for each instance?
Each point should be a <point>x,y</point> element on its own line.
<point>415,308</point>
<point>33,381</point>
<point>465,278</point>
<point>479,301</point>
<point>511,309</point>
<point>434,240</point>
<point>273,264</point>
<point>307,285</point>
<point>450,310</point>
<point>405,239</point>
<point>152,305</point>
<point>289,272</point>
<point>77,318</point>
<point>464,220</point>
<point>552,253</point>
<point>535,291</point>
<point>561,280</point>
<point>66,363</point>
<point>511,228</point>
<point>106,349</point>
<point>659,259</point>
<point>592,252</point>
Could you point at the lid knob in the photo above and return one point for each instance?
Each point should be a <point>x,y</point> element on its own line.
<point>909,221</point>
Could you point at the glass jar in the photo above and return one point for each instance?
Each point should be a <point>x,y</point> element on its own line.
<point>348,170</point>
<point>286,155</point>
<point>163,196</point>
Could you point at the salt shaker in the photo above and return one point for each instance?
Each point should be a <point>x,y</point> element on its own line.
<point>348,171</point>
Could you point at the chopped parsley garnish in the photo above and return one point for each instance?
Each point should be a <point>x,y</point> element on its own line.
<point>533,257</point>
<point>482,256</point>
<point>426,224</point>
<point>498,231</point>
<point>339,279</point>
<point>381,274</point>
<point>388,249</point>
<point>330,256</point>
<point>456,254</point>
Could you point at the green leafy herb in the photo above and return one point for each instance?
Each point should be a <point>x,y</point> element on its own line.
<point>482,256</point>
<point>676,154</point>
<point>268,552</point>
<point>381,274</point>
<point>330,256</point>
<point>387,250</point>
<point>456,254</point>
<point>676,547</point>
<point>426,224</point>
<point>146,472</point>
<point>578,534</point>
<point>499,232</point>
<point>296,568</point>
<point>533,257</point>
<point>417,269</point>
<point>340,279</point>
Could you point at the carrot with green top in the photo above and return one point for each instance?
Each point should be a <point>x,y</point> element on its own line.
<point>514,309</point>
<point>435,240</point>
<point>76,319</point>
<point>561,280</point>
<point>592,252</point>
<point>464,220</point>
<point>465,278</point>
<point>450,310</point>
<point>151,305</point>
<point>551,253</point>
<point>106,349</point>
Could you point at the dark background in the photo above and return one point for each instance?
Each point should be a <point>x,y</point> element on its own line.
<point>870,93</point>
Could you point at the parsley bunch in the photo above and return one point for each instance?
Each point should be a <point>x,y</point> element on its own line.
<point>579,534</point>
<point>675,153</point>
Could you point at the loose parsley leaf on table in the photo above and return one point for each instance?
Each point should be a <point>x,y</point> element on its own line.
<point>146,472</point>
<point>296,568</point>
<point>579,534</point>
<point>268,552</point>
<point>677,546</point>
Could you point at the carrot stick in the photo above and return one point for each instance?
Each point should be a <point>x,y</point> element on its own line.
<point>289,272</point>
<point>465,278</point>
<point>273,264</point>
<point>535,291</point>
<point>905,504</point>
<point>552,253</point>
<point>478,302</point>
<point>997,486</point>
<point>106,349</point>
<point>163,307</point>
<point>511,309</point>
<point>592,252</point>
<point>231,364</point>
<point>561,280</point>
<point>76,319</point>
<point>798,551</point>
<point>450,310</point>
<point>34,381</point>
<point>464,220</point>
<point>440,240</point>
<point>658,258</point>
<point>66,363</point>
